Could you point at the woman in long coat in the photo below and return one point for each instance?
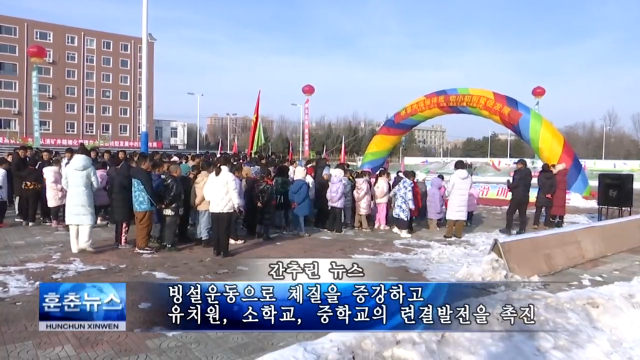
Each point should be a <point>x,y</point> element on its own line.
<point>299,197</point>
<point>559,208</point>
<point>458,198</point>
<point>120,195</point>
<point>80,180</point>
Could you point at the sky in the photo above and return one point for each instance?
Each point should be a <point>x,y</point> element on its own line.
<point>374,56</point>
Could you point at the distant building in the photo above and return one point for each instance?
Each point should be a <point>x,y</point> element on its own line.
<point>502,136</point>
<point>172,133</point>
<point>217,124</point>
<point>89,88</point>
<point>434,137</point>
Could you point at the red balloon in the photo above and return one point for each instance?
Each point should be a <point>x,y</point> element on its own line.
<point>36,51</point>
<point>538,92</point>
<point>308,90</point>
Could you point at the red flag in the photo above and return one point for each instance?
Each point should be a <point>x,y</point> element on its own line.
<point>220,147</point>
<point>343,153</point>
<point>290,151</point>
<point>254,125</point>
<point>235,145</point>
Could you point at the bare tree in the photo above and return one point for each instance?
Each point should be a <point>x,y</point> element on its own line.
<point>635,123</point>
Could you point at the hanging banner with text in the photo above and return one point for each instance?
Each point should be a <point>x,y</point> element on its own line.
<point>35,103</point>
<point>306,128</point>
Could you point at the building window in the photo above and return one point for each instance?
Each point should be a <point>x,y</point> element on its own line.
<point>139,65</point>
<point>49,58</point>
<point>45,106</point>
<point>89,109</point>
<point>9,104</point>
<point>107,45</point>
<point>124,96</point>
<point>124,63</point>
<point>105,94</point>
<point>105,128</point>
<point>45,125</point>
<point>125,48</point>
<point>90,59</point>
<point>8,30</point>
<point>70,108</point>
<point>46,36</point>
<point>140,96</point>
<point>105,110</point>
<point>139,129</point>
<point>90,43</point>
<point>124,79</point>
<point>45,71</point>
<point>44,89</point>
<point>10,49</point>
<point>70,91</point>
<point>90,128</point>
<point>72,57</point>
<point>174,132</point>
<point>90,76</point>
<point>158,133</point>
<point>123,129</point>
<point>70,127</point>
<point>72,40</point>
<point>124,112</point>
<point>139,80</point>
<point>72,74</point>
<point>106,61</point>
<point>8,68</point>
<point>8,124</point>
<point>90,93</point>
<point>8,85</point>
<point>106,78</point>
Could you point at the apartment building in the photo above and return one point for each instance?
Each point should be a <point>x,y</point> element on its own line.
<point>89,88</point>
<point>237,124</point>
<point>434,136</point>
<point>172,134</point>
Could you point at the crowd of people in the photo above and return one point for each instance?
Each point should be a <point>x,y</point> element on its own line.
<point>219,194</point>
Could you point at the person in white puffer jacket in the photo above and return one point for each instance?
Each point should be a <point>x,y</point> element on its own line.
<point>222,194</point>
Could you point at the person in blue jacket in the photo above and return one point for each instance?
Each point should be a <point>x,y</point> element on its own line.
<point>156,180</point>
<point>299,198</point>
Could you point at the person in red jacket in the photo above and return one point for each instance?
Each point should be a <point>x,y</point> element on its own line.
<point>559,207</point>
<point>411,175</point>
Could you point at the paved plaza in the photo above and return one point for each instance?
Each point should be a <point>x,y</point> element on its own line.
<point>29,255</point>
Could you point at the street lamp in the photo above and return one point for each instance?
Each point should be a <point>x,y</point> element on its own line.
<point>604,137</point>
<point>229,115</point>
<point>198,96</point>
<point>146,38</point>
<point>301,126</point>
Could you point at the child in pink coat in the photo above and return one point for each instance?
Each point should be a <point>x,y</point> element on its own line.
<point>472,204</point>
<point>56,195</point>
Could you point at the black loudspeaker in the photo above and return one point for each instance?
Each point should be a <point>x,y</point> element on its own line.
<point>615,190</point>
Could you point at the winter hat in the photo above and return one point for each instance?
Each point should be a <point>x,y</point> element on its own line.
<point>421,176</point>
<point>300,173</point>
<point>326,171</point>
<point>175,159</point>
<point>337,172</point>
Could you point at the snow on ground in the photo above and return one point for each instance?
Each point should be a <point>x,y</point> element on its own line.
<point>592,323</point>
<point>14,282</point>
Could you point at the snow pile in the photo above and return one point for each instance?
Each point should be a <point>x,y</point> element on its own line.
<point>576,200</point>
<point>13,282</point>
<point>592,323</point>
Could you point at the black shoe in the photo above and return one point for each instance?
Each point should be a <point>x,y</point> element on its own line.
<point>224,255</point>
<point>216,253</point>
<point>520,232</point>
<point>505,231</point>
<point>266,238</point>
<point>207,244</point>
<point>448,237</point>
<point>171,248</point>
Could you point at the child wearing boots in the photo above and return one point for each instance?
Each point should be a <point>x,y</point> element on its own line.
<point>266,203</point>
<point>56,195</point>
<point>362,199</point>
<point>381,189</point>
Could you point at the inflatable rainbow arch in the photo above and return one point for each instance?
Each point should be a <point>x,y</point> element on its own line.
<point>545,140</point>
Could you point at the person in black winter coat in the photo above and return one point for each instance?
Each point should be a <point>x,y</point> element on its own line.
<point>45,212</point>
<point>18,166</point>
<point>519,187</point>
<point>32,184</point>
<point>186,182</point>
<point>172,205</point>
<point>266,204</point>
<point>120,197</point>
<point>544,199</point>
<point>321,203</point>
<point>251,201</point>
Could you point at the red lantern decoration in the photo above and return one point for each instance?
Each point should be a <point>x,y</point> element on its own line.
<point>538,92</point>
<point>308,90</point>
<point>37,53</point>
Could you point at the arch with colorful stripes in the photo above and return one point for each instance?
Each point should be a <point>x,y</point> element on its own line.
<point>545,140</point>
